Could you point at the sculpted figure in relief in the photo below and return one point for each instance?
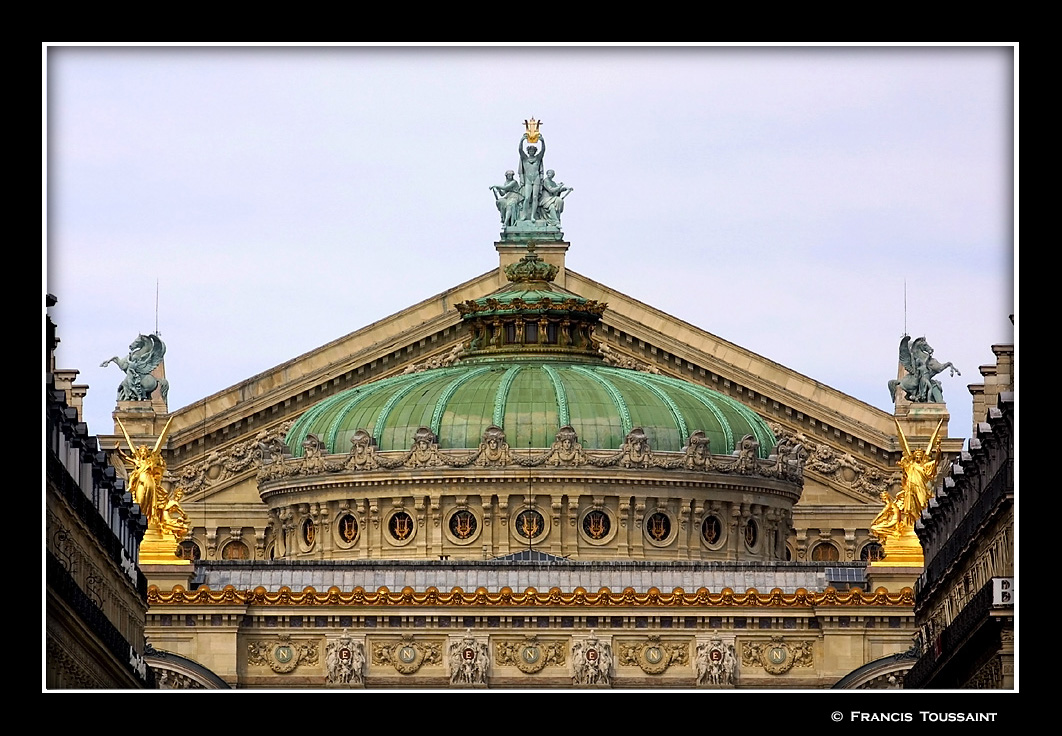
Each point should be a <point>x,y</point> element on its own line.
<point>716,663</point>
<point>468,661</point>
<point>591,662</point>
<point>493,450</point>
<point>636,450</point>
<point>698,452</point>
<point>532,201</point>
<point>553,199</point>
<point>566,449</point>
<point>312,458</point>
<point>919,474</point>
<point>425,449</point>
<point>887,522</point>
<point>344,661</point>
<point>530,176</point>
<point>747,451</point>
<point>362,452</point>
<point>173,519</point>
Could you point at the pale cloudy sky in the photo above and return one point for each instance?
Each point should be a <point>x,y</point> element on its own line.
<point>780,198</point>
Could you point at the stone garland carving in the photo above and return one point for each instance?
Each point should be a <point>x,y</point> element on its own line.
<point>468,659</point>
<point>787,461</point>
<point>716,663</point>
<point>777,656</point>
<point>591,662</point>
<point>281,654</point>
<point>839,467</point>
<point>173,680</point>
<point>622,360</point>
<point>529,655</point>
<point>218,467</point>
<point>344,661</point>
<point>442,360</point>
<point>408,655</point>
<point>652,656</point>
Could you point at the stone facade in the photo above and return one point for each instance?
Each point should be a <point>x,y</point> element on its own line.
<point>967,594</point>
<point>249,499</point>
<point>96,595</point>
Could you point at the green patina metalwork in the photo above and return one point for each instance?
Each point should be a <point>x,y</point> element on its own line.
<point>562,397</point>
<point>680,421</point>
<point>447,394</point>
<point>531,385</point>
<point>502,395</point>
<point>613,393</point>
<point>531,400</point>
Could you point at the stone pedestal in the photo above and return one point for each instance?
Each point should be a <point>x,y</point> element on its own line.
<point>165,576</point>
<point>892,577</point>
<point>919,421</point>
<point>141,418</point>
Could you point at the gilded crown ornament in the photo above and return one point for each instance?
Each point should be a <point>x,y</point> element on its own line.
<point>532,129</point>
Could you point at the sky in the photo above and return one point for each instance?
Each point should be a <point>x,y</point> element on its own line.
<point>254,203</point>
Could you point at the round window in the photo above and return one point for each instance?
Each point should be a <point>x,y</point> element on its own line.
<point>752,534</point>
<point>400,526</point>
<point>712,531</point>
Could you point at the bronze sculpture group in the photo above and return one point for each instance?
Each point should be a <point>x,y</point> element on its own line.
<point>536,200</point>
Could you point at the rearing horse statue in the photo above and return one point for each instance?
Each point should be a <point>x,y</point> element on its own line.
<point>919,385</point>
<point>145,354</point>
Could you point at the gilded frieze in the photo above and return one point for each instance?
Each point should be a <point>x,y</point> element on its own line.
<point>679,598</point>
<point>529,655</point>
<point>407,655</point>
<point>654,656</point>
<point>778,655</point>
<point>281,654</point>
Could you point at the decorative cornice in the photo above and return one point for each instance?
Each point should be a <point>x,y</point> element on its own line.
<point>580,598</point>
<point>493,305</point>
<point>839,467</point>
<point>786,462</point>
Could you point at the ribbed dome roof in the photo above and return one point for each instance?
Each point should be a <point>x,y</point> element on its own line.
<point>530,399</point>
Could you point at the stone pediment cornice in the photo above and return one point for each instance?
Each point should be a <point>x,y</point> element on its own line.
<point>433,325</point>
<point>312,370</point>
<point>739,365</point>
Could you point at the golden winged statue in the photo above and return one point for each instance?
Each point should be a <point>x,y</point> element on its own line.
<point>894,524</point>
<point>167,521</point>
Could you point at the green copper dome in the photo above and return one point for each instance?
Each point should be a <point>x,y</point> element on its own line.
<point>530,399</point>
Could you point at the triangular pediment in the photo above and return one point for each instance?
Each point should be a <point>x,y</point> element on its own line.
<point>631,328</point>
